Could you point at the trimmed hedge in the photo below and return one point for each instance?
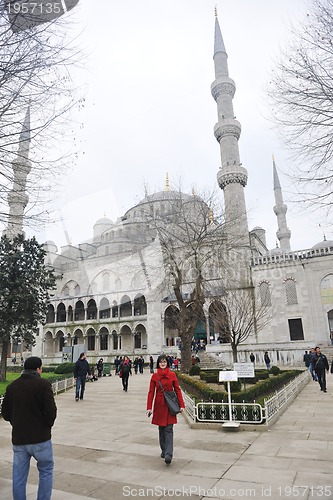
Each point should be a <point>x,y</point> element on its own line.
<point>65,368</point>
<point>201,390</point>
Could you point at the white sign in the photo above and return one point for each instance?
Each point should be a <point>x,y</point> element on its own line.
<point>244,370</point>
<point>225,376</point>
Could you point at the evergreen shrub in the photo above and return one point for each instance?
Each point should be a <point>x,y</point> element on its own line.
<point>194,370</point>
<point>65,368</point>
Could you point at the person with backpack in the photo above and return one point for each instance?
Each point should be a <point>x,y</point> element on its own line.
<point>125,370</point>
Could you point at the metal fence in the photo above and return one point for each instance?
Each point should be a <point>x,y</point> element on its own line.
<point>245,413</point>
<point>58,386</point>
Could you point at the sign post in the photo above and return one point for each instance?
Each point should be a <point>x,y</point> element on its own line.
<point>244,370</point>
<point>229,376</point>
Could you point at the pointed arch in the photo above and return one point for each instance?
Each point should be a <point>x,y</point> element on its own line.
<point>125,306</point>
<point>140,305</point>
<point>91,309</point>
<point>50,314</point>
<point>61,313</point>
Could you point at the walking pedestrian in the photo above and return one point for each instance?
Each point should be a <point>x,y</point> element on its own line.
<point>99,366</point>
<point>151,364</point>
<point>320,366</point>
<point>30,408</point>
<point>81,370</point>
<point>157,406</point>
<point>307,359</point>
<point>312,354</point>
<point>125,369</point>
<point>267,360</point>
<point>252,358</point>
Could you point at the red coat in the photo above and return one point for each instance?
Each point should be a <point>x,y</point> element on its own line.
<point>169,381</point>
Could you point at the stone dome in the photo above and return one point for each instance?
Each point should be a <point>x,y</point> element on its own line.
<point>104,221</point>
<point>323,244</point>
<point>50,246</point>
<point>100,226</point>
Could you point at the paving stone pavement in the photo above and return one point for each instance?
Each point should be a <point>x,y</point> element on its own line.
<point>106,448</point>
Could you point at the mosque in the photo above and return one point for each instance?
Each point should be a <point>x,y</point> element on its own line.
<point>110,296</point>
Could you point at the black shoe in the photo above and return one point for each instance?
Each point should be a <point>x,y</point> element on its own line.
<point>76,399</point>
<point>325,390</point>
<point>162,454</point>
<point>167,460</point>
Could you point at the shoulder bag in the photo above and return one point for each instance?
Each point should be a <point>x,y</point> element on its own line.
<point>171,400</point>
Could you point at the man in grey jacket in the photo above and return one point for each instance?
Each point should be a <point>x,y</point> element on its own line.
<point>30,408</point>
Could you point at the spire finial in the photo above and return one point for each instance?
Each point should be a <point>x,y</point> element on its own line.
<point>193,192</point>
<point>167,182</point>
<point>273,157</point>
<point>215,10</point>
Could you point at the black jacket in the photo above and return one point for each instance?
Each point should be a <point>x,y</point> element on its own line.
<point>320,363</point>
<point>30,407</point>
<point>81,368</point>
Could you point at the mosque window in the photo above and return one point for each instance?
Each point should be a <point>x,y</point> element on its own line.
<point>104,342</point>
<point>265,294</point>
<point>296,329</point>
<point>91,342</point>
<point>291,292</point>
<point>137,340</point>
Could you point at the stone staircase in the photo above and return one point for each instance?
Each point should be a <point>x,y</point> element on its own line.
<point>210,361</point>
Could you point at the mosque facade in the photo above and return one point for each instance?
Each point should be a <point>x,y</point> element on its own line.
<point>110,296</point>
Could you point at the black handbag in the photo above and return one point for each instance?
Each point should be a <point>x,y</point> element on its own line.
<point>171,400</point>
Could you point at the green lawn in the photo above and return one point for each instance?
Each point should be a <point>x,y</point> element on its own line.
<point>12,376</point>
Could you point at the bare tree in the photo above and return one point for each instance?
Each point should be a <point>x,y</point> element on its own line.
<point>301,91</point>
<point>196,258</point>
<point>240,316</point>
<point>35,72</point>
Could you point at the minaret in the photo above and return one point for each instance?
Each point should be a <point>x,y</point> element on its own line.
<point>232,177</point>
<point>17,197</point>
<point>283,233</point>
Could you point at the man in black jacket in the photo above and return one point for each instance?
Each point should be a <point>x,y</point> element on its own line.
<point>81,370</point>
<point>30,408</point>
<point>320,366</point>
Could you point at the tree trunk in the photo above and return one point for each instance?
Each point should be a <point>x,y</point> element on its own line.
<point>186,352</point>
<point>234,352</point>
<point>3,362</point>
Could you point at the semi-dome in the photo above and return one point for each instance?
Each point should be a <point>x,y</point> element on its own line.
<point>276,251</point>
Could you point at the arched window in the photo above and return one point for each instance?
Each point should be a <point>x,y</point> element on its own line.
<point>70,313</point>
<point>114,340</point>
<point>291,292</point>
<point>79,311</point>
<point>91,336</point>
<point>91,309</point>
<point>61,313</point>
<point>265,294</point>
<point>140,305</point>
<point>114,309</point>
<point>125,306</point>
<point>50,315</point>
<point>104,308</point>
<point>104,339</point>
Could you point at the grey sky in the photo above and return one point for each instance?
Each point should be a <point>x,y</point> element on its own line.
<point>149,109</point>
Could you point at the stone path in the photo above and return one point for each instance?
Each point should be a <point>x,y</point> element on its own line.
<point>106,448</point>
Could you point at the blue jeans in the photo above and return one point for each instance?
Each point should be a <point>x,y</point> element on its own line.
<point>80,384</point>
<point>43,454</point>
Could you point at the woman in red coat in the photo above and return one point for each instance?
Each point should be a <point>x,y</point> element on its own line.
<point>161,414</point>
